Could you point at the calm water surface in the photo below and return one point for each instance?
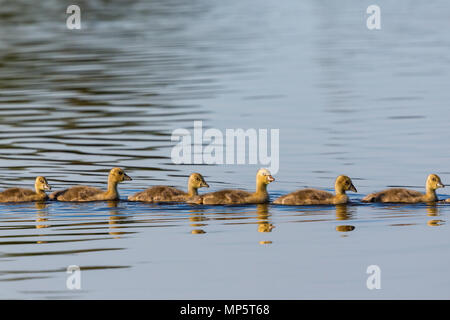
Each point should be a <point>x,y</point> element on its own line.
<point>370,104</point>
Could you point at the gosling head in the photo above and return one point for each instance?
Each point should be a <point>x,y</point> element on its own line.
<point>118,175</point>
<point>344,183</point>
<point>196,180</point>
<point>41,184</point>
<point>434,182</point>
<point>264,176</point>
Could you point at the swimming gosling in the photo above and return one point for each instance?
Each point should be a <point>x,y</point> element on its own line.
<point>27,195</point>
<point>84,193</point>
<point>315,197</point>
<point>402,195</point>
<point>233,196</point>
<point>170,194</point>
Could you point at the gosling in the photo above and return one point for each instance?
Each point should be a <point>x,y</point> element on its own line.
<point>316,197</point>
<point>27,195</point>
<point>234,196</point>
<point>170,194</point>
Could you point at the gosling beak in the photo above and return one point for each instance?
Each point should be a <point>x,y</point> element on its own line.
<point>352,188</point>
<point>440,185</point>
<point>47,187</point>
<point>270,179</point>
<point>126,177</point>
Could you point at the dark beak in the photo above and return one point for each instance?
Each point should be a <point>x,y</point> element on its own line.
<point>441,185</point>
<point>205,185</point>
<point>47,187</point>
<point>352,188</point>
<point>126,177</point>
<point>270,178</point>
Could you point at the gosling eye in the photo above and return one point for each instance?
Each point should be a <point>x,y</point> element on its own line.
<point>434,179</point>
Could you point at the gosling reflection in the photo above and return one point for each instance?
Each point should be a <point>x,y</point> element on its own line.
<point>41,218</point>
<point>112,203</point>
<point>198,231</point>
<point>40,205</point>
<point>433,211</point>
<point>41,221</point>
<point>343,212</point>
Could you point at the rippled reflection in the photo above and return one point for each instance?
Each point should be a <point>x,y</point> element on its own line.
<point>115,220</point>
<point>346,100</point>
